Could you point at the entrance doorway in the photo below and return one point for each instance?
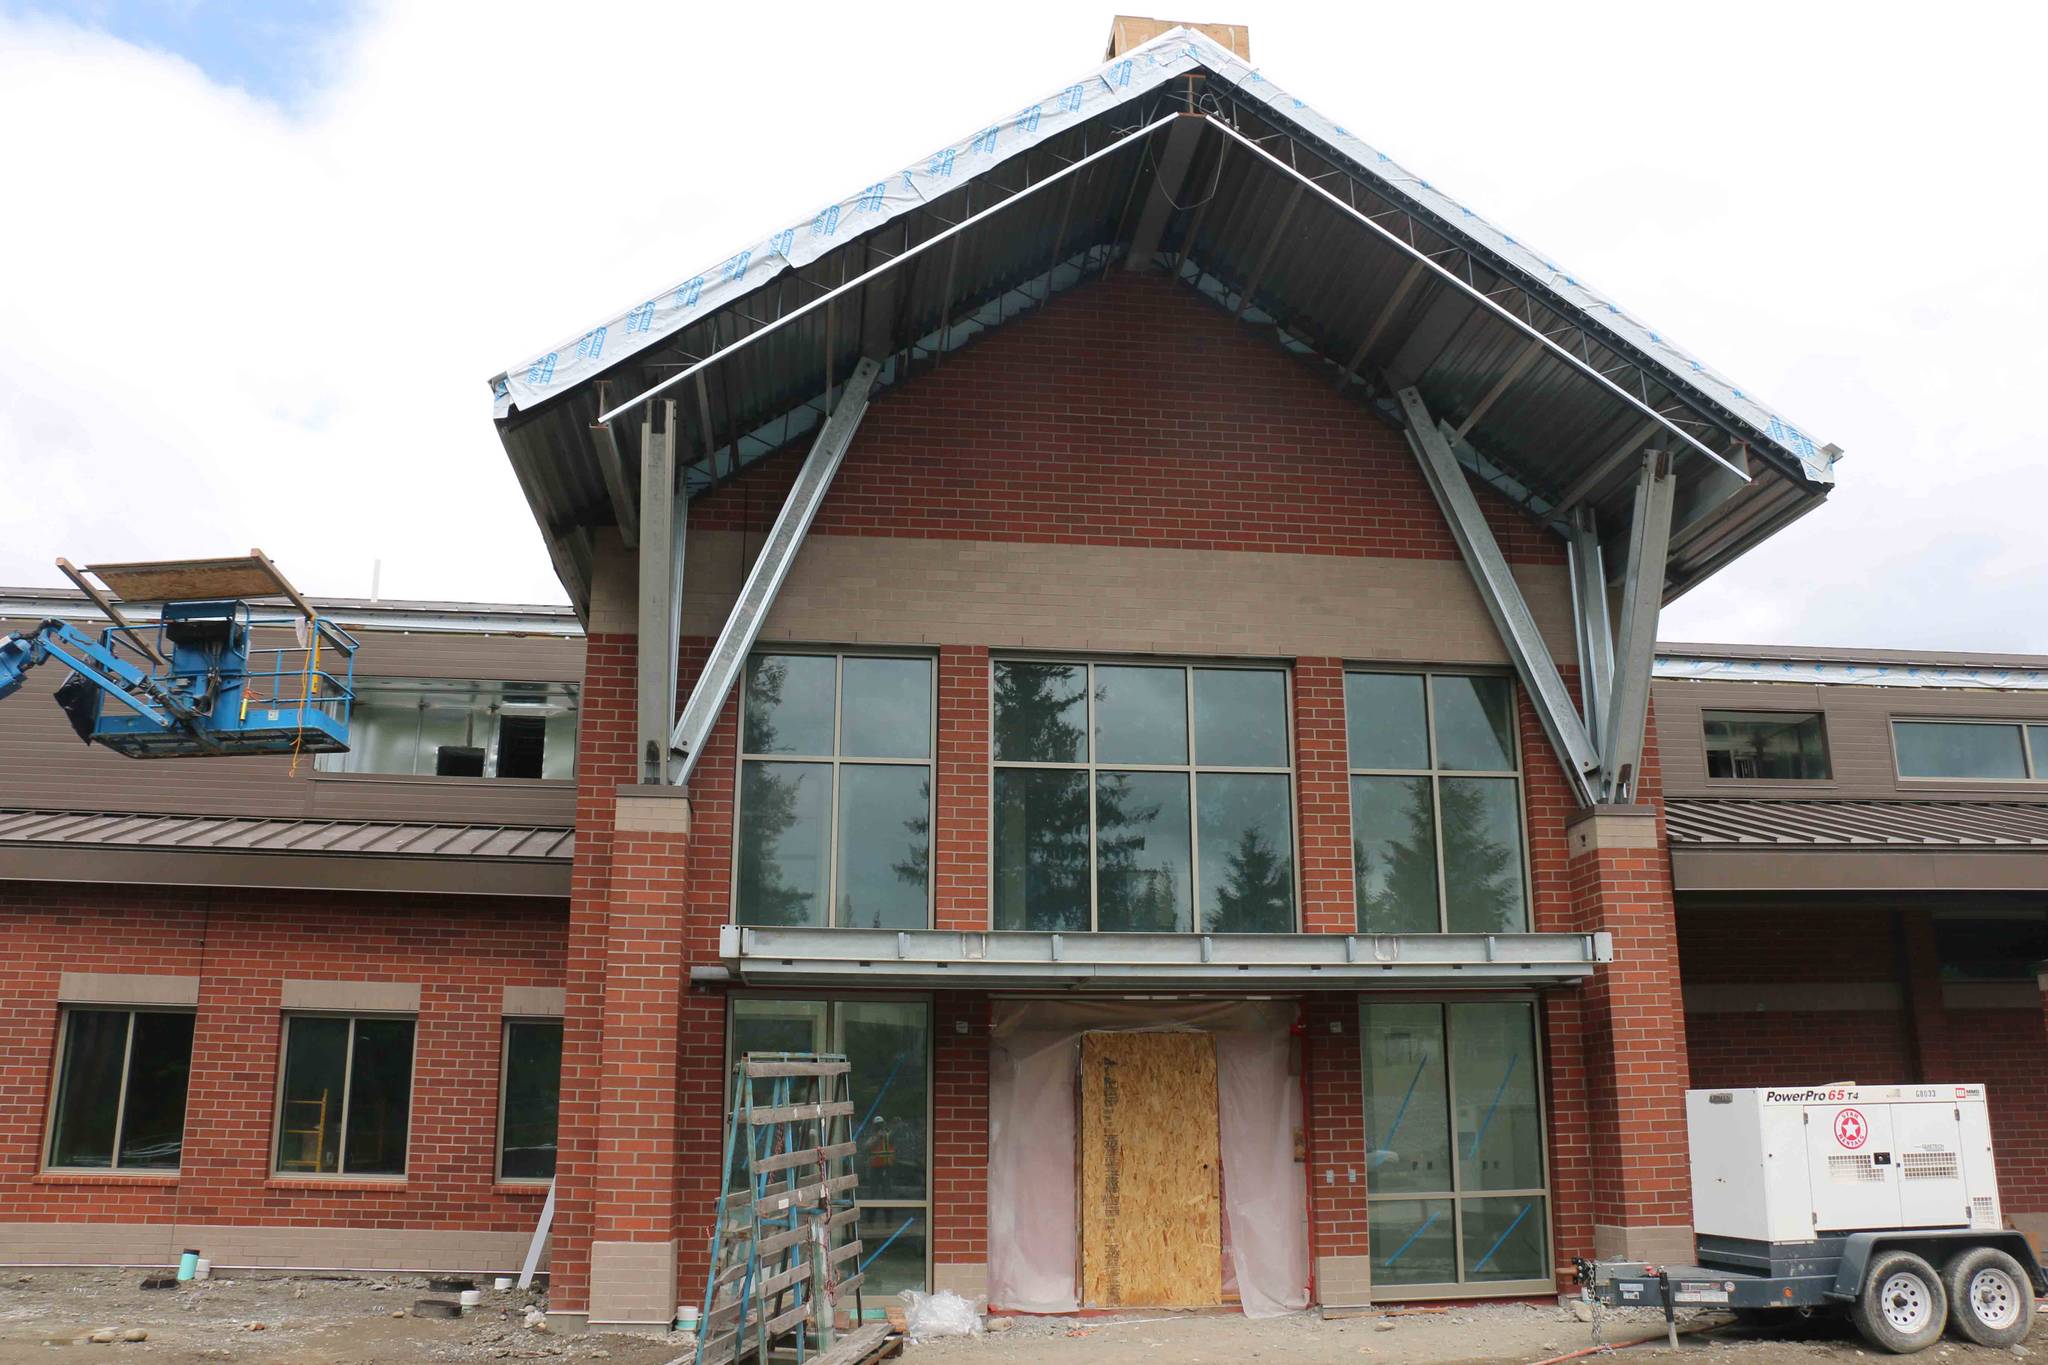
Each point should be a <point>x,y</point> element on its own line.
<point>1151,1171</point>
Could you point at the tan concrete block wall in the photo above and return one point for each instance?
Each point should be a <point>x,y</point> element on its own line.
<point>237,1247</point>
<point>854,589</point>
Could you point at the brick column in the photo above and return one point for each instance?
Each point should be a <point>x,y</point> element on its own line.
<point>1336,1150</point>
<point>959,1224</point>
<point>960,843</point>
<point>1920,977</point>
<point>633,1225</point>
<point>1633,1029</point>
<point>1323,798</point>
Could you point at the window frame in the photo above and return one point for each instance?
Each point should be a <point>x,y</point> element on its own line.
<point>1518,773</point>
<point>65,1011</point>
<point>490,747</point>
<point>1192,769</point>
<point>930,762</point>
<point>1827,747</point>
<point>1455,1196</point>
<point>2033,777</point>
<point>412,1084</point>
<point>505,1025</point>
<point>836,1040</point>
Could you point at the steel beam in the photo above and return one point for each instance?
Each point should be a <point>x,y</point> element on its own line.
<point>1649,541</point>
<point>1501,594</point>
<point>1379,325</point>
<point>1272,248</point>
<point>1589,482</point>
<point>743,625</point>
<point>1590,618</point>
<point>663,514</point>
<point>613,467</point>
<point>1176,161</point>
<point>1530,351</point>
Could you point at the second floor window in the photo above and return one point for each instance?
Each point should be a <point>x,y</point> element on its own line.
<point>1766,746</point>
<point>1142,798</point>
<point>1971,751</point>
<point>1436,804</point>
<point>447,727</point>
<point>835,813</point>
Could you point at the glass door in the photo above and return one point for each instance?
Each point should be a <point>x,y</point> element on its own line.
<point>1458,1198</point>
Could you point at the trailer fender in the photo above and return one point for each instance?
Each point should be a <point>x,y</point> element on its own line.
<point>1936,1245</point>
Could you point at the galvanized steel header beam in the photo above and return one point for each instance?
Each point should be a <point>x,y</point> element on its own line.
<point>1642,597</point>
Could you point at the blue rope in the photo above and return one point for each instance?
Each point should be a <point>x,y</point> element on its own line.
<point>885,1243</point>
<point>881,1094</point>
<point>1402,1249</point>
<point>1480,1264</point>
<point>1498,1091</point>
<point>1395,1127</point>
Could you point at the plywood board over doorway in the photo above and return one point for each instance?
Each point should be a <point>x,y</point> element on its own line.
<point>1151,1171</point>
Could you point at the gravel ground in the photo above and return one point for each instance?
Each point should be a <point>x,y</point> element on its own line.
<point>329,1320</point>
<point>300,1319</point>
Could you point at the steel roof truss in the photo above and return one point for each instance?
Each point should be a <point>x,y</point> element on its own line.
<point>1502,596</point>
<point>1595,631</point>
<point>757,596</point>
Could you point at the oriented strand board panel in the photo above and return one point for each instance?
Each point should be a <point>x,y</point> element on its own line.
<point>1151,1171</point>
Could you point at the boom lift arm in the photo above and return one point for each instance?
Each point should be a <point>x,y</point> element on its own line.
<point>92,664</point>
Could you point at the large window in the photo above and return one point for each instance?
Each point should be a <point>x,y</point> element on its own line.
<point>835,815</point>
<point>437,727</point>
<point>888,1044</point>
<point>1455,1183</point>
<point>346,1099</point>
<point>530,1093</point>
<point>1142,798</point>
<point>1973,751</point>
<point>120,1092</point>
<point>1436,803</point>
<point>1766,746</point>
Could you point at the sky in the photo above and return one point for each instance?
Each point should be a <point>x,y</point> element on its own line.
<point>256,272</point>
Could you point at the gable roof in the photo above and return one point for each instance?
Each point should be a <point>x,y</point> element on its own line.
<point>1177,156</point>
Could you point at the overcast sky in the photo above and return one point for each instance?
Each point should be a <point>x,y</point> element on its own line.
<point>256,273</point>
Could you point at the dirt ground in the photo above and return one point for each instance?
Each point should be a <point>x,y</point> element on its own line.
<point>331,1320</point>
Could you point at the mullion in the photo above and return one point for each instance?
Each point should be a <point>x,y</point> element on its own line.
<point>121,1096</point>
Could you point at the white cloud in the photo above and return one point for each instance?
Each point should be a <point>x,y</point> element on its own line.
<point>224,324</point>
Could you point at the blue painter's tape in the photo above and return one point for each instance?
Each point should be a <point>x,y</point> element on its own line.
<point>1402,1250</point>
<point>1480,1264</point>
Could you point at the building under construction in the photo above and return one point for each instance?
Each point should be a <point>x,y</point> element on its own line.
<point>1139,630</point>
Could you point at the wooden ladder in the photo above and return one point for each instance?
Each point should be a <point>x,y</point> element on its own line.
<point>785,1247</point>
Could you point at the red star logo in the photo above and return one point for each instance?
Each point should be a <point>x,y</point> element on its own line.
<point>1850,1129</point>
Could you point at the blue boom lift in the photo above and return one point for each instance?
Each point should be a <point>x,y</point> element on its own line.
<point>197,684</point>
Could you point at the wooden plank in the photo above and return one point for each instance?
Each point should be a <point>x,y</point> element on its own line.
<point>1151,1167</point>
<point>847,1286</point>
<point>767,1070</point>
<point>800,1198</point>
<point>800,1113</point>
<point>778,1325</point>
<point>856,1346</point>
<point>840,1253</point>
<point>776,1283</point>
<point>783,1161</point>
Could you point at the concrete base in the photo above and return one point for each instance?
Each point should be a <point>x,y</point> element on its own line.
<point>968,1279</point>
<point>569,1324</point>
<point>1656,1244</point>
<point>632,1287</point>
<point>1343,1280</point>
<point>240,1247</point>
<point>2034,1226</point>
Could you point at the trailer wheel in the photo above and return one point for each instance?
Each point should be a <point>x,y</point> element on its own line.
<point>1903,1307</point>
<point>1990,1298</point>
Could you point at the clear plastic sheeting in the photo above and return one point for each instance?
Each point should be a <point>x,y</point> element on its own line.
<point>1033,1068</point>
<point>1982,677</point>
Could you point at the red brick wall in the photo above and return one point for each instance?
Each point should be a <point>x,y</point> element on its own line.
<point>1336,1127</point>
<point>1128,413</point>
<point>959,1231</point>
<point>960,839</point>
<point>243,945</point>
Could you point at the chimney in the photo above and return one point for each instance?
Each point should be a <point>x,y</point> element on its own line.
<point>1127,31</point>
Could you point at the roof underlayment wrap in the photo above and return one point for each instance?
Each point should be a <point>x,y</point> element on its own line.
<point>1179,157</point>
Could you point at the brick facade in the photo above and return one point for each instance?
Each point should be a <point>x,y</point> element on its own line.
<point>243,946</point>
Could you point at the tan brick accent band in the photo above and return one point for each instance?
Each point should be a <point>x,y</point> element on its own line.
<point>1613,827</point>
<point>652,810</point>
<point>237,1246</point>
<point>632,1284</point>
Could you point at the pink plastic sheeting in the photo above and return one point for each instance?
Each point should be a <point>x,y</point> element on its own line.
<point>1034,1063</point>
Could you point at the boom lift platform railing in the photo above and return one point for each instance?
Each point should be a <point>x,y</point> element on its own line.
<point>203,679</point>
<point>785,1248</point>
